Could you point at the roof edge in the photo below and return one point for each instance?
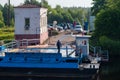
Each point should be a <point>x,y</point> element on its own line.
<point>27,6</point>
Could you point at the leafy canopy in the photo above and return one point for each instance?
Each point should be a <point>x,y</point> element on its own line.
<point>108,23</point>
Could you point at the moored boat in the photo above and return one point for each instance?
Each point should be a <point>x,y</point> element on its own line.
<point>48,62</point>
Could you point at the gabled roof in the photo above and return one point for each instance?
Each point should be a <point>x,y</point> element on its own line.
<point>27,6</point>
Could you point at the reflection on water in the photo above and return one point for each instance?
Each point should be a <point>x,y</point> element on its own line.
<point>108,71</point>
<point>29,76</point>
<point>23,78</point>
<point>111,70</point>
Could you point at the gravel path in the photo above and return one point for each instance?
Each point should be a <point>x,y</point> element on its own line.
<point>64,37</point>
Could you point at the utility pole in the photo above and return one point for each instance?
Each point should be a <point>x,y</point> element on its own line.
<point>9,13</point>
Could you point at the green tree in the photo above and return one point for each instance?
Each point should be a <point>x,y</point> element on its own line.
<point>51,16</point>
<point>27,2</point>
<point>5,13</point>
<point>78,14</point>
<point>111,45</point>
<point>1,7</point>
<point>34,2</point>
<point>46,5</point>
<point>108,24</point>
<point>98,5</point>
<point>67,17</point>
<point>43,4</point>
<point>61,15</point>
<point>1,16</point>
<point>11,15</point>
<point>1,19</point>
<point>104,4</point>
<point>59,9</point>
<point>113,4</point>
<point>1,24</point>
<point>12,22</point>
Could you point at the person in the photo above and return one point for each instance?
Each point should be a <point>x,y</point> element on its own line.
<point>74,24</point>
<point>58,44</point>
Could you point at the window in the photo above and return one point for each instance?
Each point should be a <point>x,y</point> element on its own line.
<point>27,23</point>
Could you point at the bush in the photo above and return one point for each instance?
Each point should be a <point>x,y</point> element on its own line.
<point>6,33</point>
<point>7,36</point>
<point>111,45</point>
<point>7,29</point>
<point>54,32</point>
<point>8,40</point>
<point>107,23</point>
<point>1,24</point>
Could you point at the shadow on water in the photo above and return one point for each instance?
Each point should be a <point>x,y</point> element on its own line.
<point>37,77</point>
<point>31,78</point>
<point>35,74</point>
<point>110,70</point>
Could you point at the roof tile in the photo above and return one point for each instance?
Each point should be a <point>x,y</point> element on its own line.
<point>27,6</point>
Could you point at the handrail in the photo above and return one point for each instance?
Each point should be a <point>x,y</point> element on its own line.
<point>100,53</point>
<point>105,55</point>
<point>93,49</point>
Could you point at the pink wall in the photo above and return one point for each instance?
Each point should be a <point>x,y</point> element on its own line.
<point>42,37</point>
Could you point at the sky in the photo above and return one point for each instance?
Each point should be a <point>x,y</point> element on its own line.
<point>53,3</point>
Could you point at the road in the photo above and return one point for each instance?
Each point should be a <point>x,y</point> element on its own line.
<point>64,37</point>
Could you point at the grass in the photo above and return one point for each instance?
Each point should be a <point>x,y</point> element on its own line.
<point>6,34</point>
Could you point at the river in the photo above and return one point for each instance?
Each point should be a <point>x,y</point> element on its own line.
<point>110,70</point>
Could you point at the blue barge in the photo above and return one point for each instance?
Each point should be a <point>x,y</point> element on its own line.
<point>46,62</point>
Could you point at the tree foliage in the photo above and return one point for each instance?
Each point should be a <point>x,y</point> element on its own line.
<point>1,7</point>
<point>98,5</point>
<point>1,20</point>
<point>113,4</point>
<point>111,45</point>
<point>1,17</point>
<point>108,23</point>
<point>1,24</point>
<point>34,2</point>
<point>6,15</point>
<point>107,26</point>
<point>61,15</point>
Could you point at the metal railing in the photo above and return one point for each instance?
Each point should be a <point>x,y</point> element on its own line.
<point>98,52</point>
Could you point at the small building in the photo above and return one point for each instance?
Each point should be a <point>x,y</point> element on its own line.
<point>31,23</point>
<point>82,45</point>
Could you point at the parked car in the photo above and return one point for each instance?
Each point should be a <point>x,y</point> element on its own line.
<point>78,28</point>
<point>59,28</point>
<point>50,27</point>
<point>68,26</point>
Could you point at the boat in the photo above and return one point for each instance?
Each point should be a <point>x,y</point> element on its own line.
<point>47,62</point>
